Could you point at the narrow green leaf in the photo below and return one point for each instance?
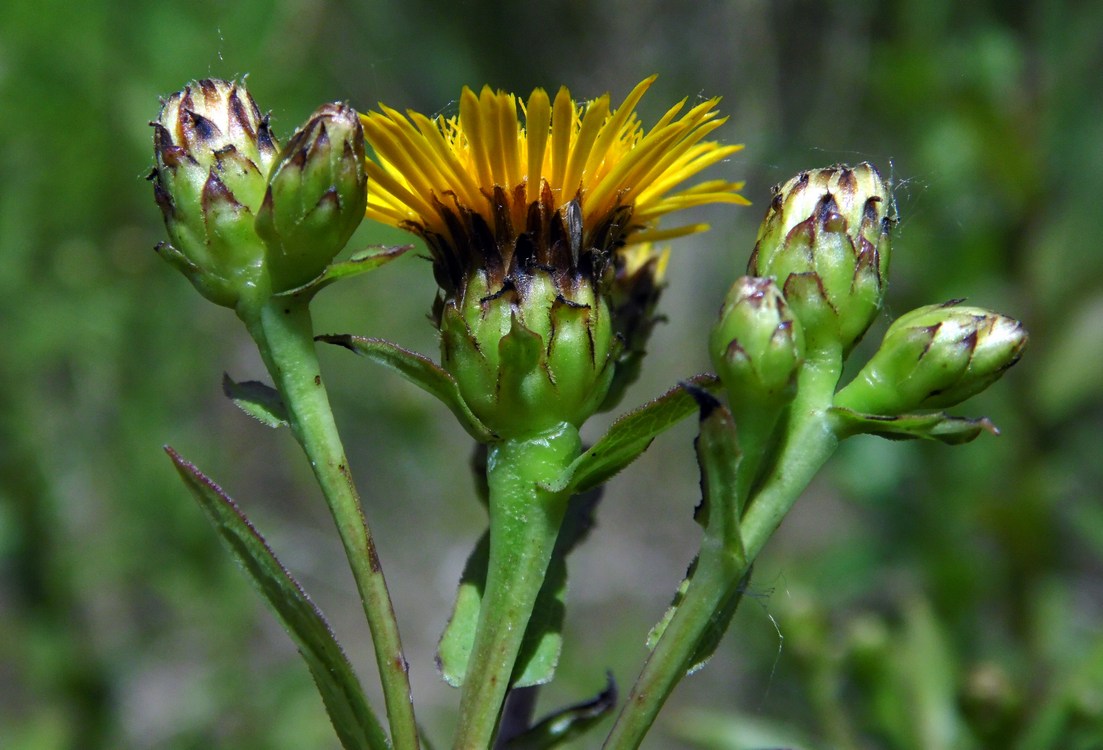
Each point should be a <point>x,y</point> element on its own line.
<point>630,436</point>
<point>419,370</point>
<point>717,625</point>
<point>358,263</point>
<point>659,628</point>
<point>355,723</point>
<point>567,723</point>
<point>362,261</point>
<point>543,643</point>
<point>718,458</point>
<point>940,427</point>
<point>260,401</point>
<point>721,510</point>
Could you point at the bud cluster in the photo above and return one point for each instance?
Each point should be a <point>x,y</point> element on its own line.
<point>825,243</point>
<point>246,219</point>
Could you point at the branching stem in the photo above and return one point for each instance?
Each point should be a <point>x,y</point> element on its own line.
<point>721,571</point>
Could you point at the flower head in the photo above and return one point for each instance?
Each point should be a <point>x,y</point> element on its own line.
<point>558,184</point>
<point>538,217</point>
<point>246,219</point>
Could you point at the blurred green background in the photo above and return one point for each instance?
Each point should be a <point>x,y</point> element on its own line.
<point>920,596</point>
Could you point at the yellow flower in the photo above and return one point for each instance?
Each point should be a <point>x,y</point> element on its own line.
<point>580,181</point>
<point>539,217</point>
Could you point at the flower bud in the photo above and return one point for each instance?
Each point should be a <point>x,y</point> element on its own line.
<point>316,196</point>
<point>530,355</point>
<point>757,346</point>
<point>933,358</point>
<point>213,152</point>
<point>825,240</point>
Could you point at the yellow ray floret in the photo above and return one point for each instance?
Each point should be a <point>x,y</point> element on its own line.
<point>497,150</point>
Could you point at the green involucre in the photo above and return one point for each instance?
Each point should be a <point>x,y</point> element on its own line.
<point>757,345</point>
<point>530,355</point>
<point>213,152</point>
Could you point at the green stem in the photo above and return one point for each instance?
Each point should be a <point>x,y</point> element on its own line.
<point>284,333</point>
<point>524,523</point>
<point>756,428</point>
<point>808,442</point>
<point>720,574</point>
<point>717,577</point>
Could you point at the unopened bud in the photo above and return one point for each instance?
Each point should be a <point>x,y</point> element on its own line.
<point>213,151</point>
<point>933,358</point>
<point>316,195</point>
<point>825,240</point>
<point>757,346</point>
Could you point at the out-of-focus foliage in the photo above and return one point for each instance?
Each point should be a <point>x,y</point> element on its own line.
<point>923,596</point>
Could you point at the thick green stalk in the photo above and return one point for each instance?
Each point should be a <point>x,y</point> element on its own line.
<point>524,523</point>
<point>721,570</point>
<point>284,332</point>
